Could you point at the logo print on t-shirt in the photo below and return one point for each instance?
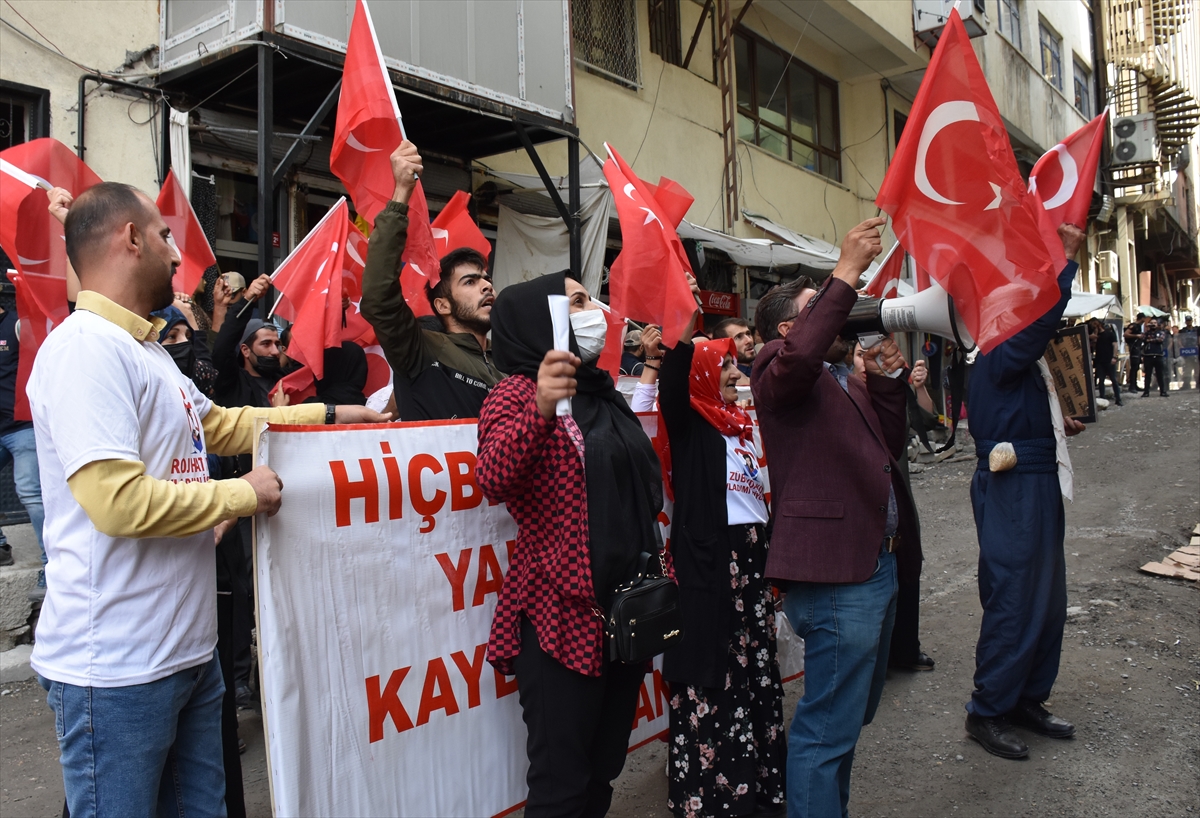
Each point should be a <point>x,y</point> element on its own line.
<point>193,423</point>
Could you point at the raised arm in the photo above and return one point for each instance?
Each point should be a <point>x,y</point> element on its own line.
<point>383,303</point>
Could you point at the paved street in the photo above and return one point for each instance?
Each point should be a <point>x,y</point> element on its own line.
<point>1130,675</point>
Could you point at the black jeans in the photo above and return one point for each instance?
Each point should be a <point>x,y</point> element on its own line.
<point>1154,365</point>
<point>1135,364</point>
<point>1107,369</point>
<point>578,727</point>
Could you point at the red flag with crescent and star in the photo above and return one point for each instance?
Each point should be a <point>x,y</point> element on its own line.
<point>32,238</point>
<point>195,252</point>
<point>887,277</point>
<point>310,293</point>
<point>368,129</point>
<point>1063,179</point>
<point>959,205</point>
<point>647,281</point>
<point>41,306</point>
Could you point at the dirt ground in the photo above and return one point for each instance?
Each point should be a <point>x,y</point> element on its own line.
<point>1130,677</point>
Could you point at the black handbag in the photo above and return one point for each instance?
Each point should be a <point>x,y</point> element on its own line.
<point>643,617</point>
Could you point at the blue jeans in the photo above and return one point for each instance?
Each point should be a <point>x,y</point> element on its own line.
<point>144,750</point>
<point>21,448</point>
<point>847,631</point>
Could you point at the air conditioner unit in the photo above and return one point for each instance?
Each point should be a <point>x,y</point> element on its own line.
<point>1133,140</point>
<point>930,16</point>
<point>1106,264</point>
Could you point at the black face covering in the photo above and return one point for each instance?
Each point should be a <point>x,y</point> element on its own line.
<point>183,355</point>
<point>624,482</point>
<point>267,366</point>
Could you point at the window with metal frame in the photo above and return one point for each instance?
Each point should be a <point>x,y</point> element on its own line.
<point>786,107</point>
<point>1051,45</point>
<point>1083,90</point>
<point>1008,20</point>
<point>24,113</point>
<point>605,38</point>
<point>666,36</point>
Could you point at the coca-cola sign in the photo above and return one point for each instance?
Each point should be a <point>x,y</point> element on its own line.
<point>719,303</point>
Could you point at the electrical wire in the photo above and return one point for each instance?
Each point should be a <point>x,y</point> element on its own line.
<point>653,109</point>
<point>57,52</point>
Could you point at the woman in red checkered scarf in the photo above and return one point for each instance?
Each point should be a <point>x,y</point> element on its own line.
<point>728,751</point>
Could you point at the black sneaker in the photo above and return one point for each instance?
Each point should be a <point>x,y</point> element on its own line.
<point>6,555</point>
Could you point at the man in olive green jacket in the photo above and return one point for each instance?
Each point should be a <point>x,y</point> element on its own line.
<point>436,375</point>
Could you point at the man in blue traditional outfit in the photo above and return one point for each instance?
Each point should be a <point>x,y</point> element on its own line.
<point>1021,524</point>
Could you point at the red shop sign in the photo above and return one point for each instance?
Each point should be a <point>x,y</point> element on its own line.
<point>718,303</point>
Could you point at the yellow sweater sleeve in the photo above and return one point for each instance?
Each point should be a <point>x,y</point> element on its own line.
<point>231,431</point>
<point>123,501</point>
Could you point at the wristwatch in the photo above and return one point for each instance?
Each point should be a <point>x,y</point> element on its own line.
<point>330,414</point>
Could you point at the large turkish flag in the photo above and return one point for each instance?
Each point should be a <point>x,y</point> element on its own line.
<point>959,205</point>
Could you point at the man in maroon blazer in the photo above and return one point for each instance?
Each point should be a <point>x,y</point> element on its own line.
<point>843,515</point>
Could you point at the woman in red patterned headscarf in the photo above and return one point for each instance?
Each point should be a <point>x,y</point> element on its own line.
<point>728,749</point>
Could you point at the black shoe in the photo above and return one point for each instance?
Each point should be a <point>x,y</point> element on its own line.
<point>244,697</point>
<point>6,555</point>
<point>1032,716</point>
<point>921,662</point>
<point>997,736</point>
<point>241,746</point>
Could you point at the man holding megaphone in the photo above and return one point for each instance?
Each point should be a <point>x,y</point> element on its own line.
<point>845,524</point>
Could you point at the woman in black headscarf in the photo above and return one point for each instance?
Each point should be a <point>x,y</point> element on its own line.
<point>585,490</point>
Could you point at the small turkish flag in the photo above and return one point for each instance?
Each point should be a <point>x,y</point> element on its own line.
<point>647,282</point>
<point>194,249</point>
<point>454,228</point>
<point>379,374</point>
<point>41,306</point>
<point>299,386</point>
<point>30,236</point>
<point>1062,180</point>
<point>959,205</point>
<point>887,277</point>
<point>310,289</point>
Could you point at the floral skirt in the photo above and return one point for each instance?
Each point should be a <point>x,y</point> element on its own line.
<point>728,747</point>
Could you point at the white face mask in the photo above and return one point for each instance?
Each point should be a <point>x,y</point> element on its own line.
<point>590,328</point>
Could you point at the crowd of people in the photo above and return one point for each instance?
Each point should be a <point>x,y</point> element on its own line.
<point>144,646</point>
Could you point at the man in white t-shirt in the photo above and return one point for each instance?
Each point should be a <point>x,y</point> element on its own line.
<point>126,642</point>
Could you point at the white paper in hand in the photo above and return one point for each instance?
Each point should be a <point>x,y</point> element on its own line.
<point>560,320</point>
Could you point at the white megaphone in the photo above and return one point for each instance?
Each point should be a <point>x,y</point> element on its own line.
<point>931,310</point>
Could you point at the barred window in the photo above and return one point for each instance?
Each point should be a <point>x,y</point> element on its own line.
<point>786,107</point>
<point>605,35</point>
<point>665,33</point>
<point>1051,55</point>
<point>1009,20</point>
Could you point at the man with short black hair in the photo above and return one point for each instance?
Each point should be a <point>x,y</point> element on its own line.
<point>1133,342</point>
<point>1154,348</point>
<point>739,330</point>
<point>1188,349</point>
<point>436,375</point>
<point>127,636</point>
<point>779,307</point>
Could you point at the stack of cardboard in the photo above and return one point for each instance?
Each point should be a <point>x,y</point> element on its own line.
<point>1182,564</point>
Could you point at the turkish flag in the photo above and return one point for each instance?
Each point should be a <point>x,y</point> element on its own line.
<point>193,246</point>
<point>379,373</point>
<point>30,236</point>
<point>41,306</point>
<point>299,386</point>
<point>614,342</point>
<point>454,228</point>
<point>1062,180</point>
<point>310,289</point>
<point>356,328</point>
<point>887,277</point>
<point>959,205</point>
<point>368,121</point>
<point>647,282</point>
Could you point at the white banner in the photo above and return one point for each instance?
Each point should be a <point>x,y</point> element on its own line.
<point>376,585</point>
